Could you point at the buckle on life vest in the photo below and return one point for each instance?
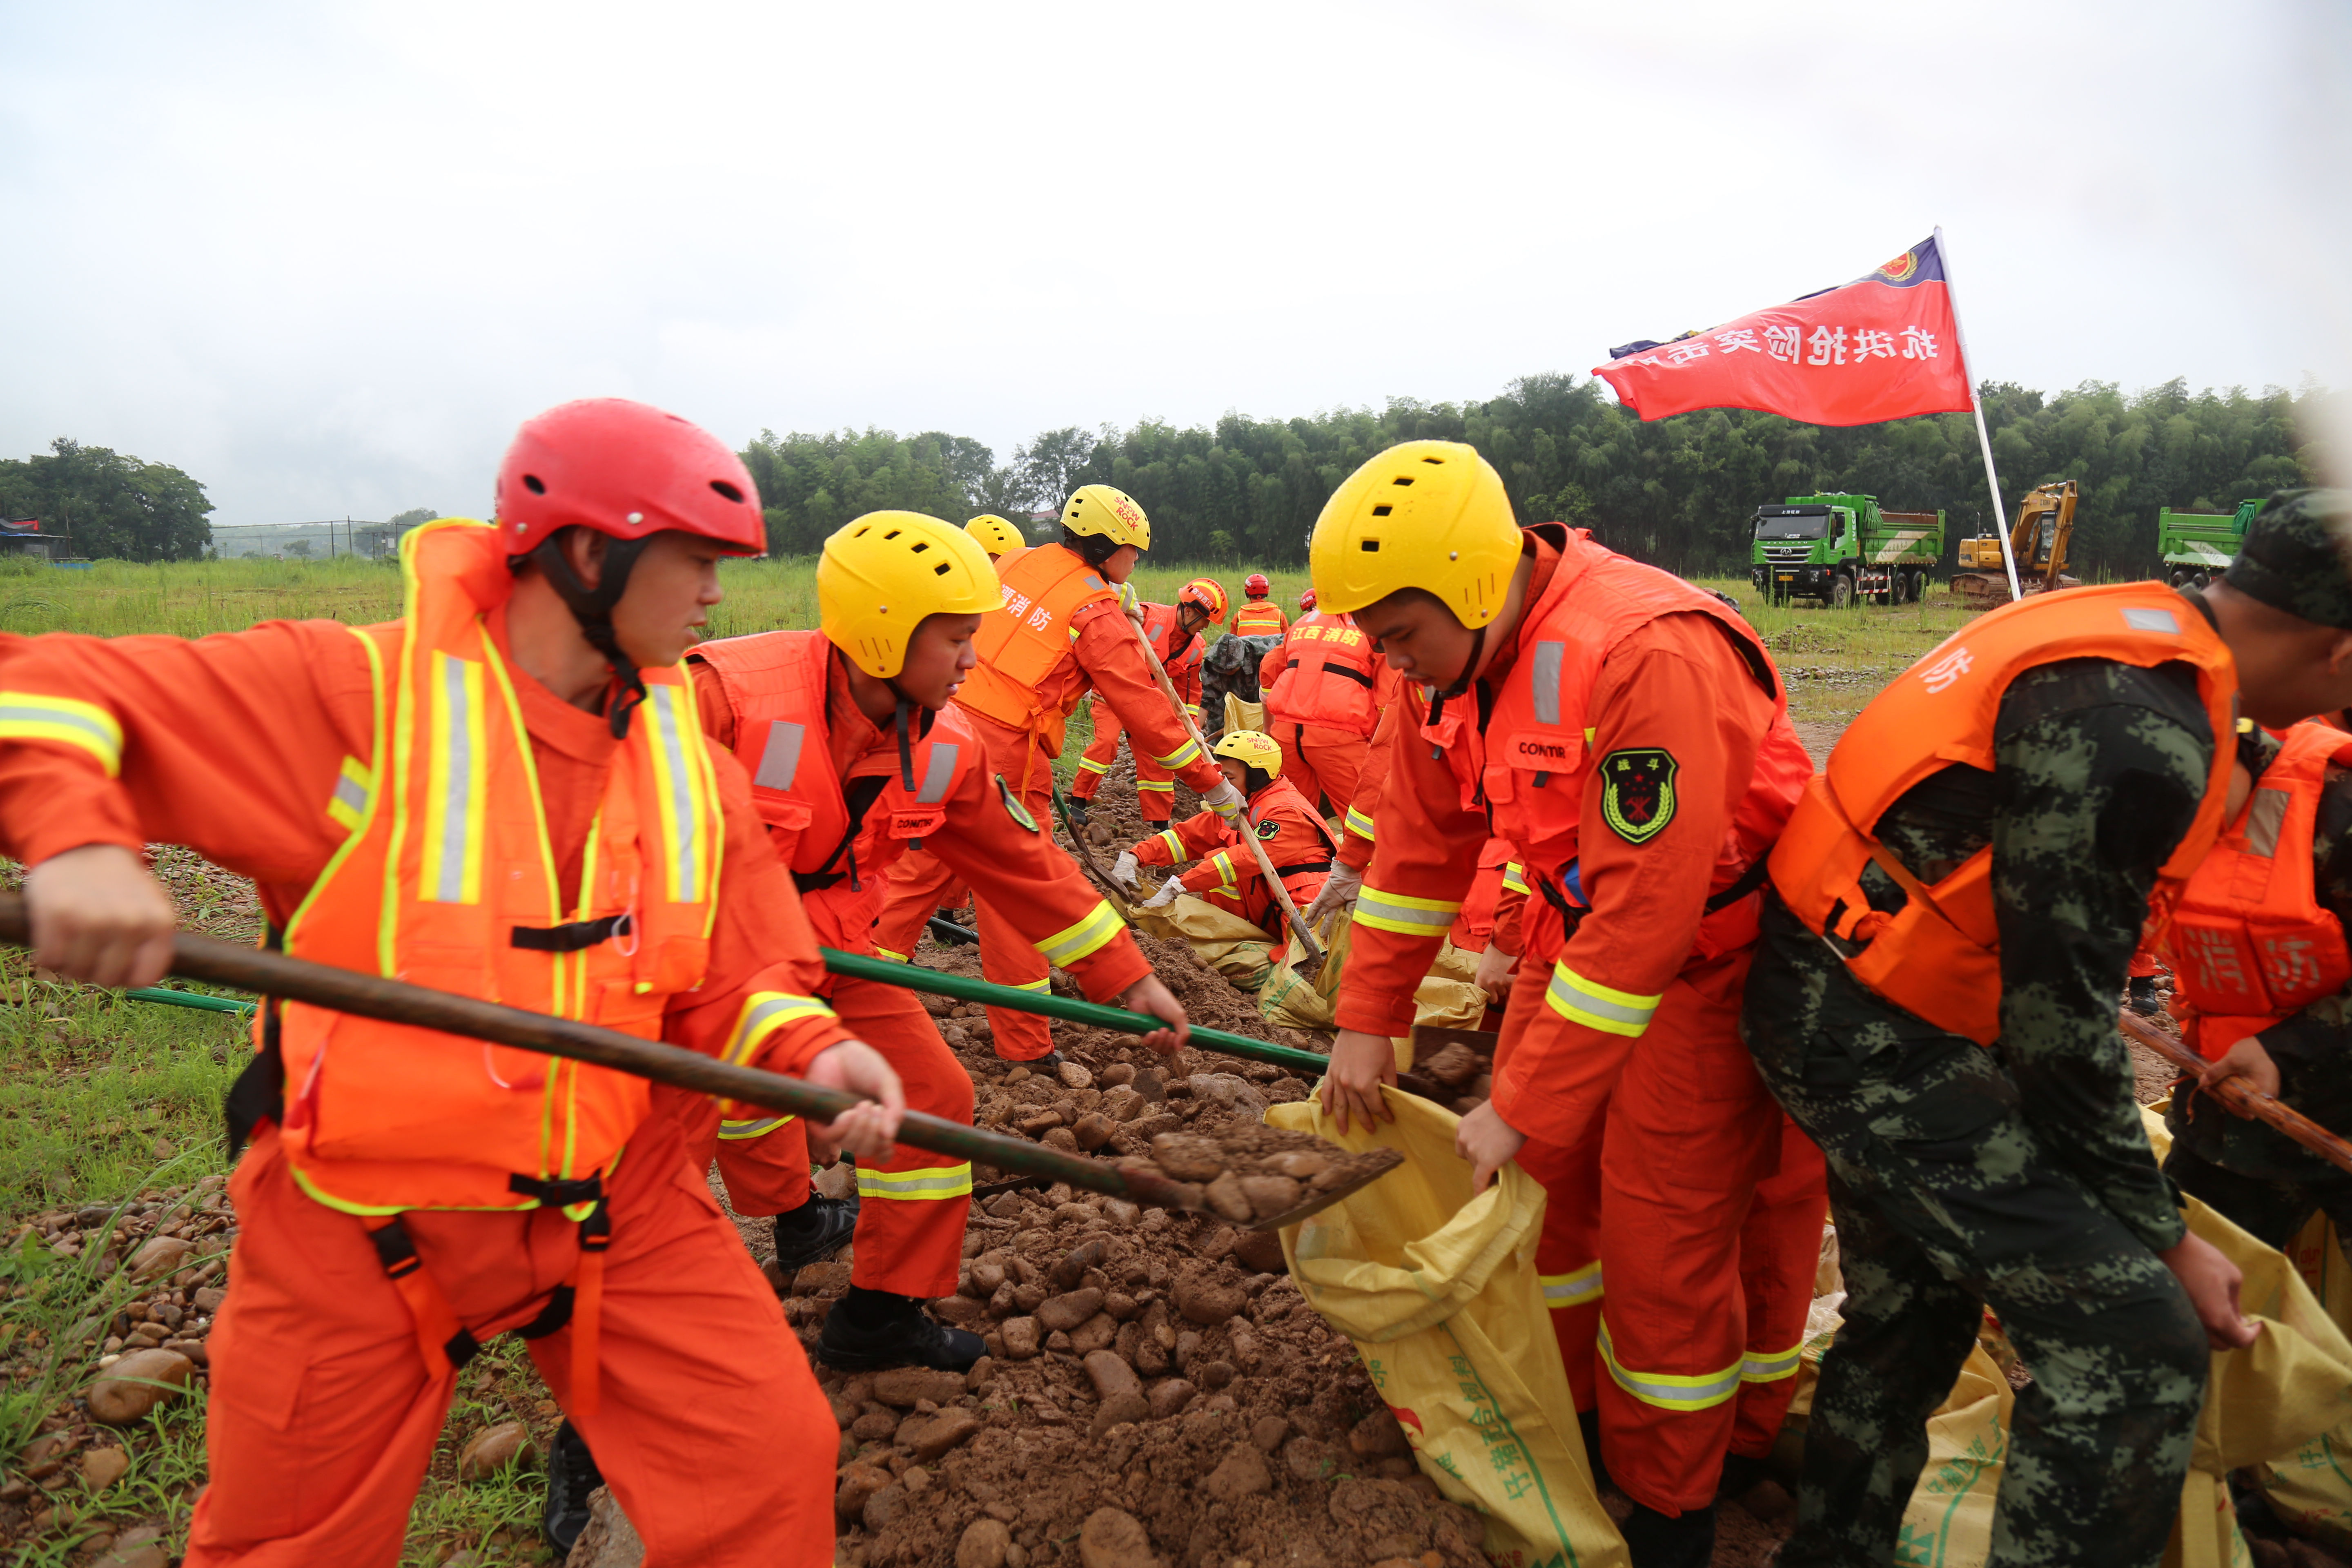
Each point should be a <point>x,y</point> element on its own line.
<point>558,1194</point>
<point>440,1337</point>
<point>573,938</point>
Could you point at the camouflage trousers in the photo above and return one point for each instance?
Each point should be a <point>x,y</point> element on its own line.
<point>1948,1201</point>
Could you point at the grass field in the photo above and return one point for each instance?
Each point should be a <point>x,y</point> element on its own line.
<point>108,1102</point>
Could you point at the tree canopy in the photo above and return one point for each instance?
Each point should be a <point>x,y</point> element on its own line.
<point>111,504</point>
<point>1678,491</point>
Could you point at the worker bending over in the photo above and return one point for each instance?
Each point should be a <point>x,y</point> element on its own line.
<point>1059,635</point>
<point>1955,903</point>
<point>1174,631</point>
<point>1297,842</point>
<point>2259,971</point>
<point>1326,688</point>
<point>502,794</point>
<point>1630,738</point>
<point>1259,615</point>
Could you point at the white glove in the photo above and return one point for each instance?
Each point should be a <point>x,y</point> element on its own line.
<point>1165,896</point>
<point>1122,870</point>
<point>1339,894</point>
<point>1132,602</point>
<point>1225,801</point>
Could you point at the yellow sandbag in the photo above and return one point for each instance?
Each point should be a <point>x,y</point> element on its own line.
<point>1437,1289</point>
<point>1445,996</point>
<point>1219,938</point>
<point>2311,1488</point>
<point>1241,715</point>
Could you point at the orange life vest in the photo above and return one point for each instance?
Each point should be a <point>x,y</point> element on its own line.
<point>1330,673</point>
<point>2250,943</point>
<point>1258,618</point>
<point>1046,588</point>
<point>448,881</point>
<point>1939,958</point>
<point>839,853</point>
<point>1530,769</point>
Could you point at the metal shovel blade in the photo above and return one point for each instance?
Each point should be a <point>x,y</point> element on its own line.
<point>1389,1160</point>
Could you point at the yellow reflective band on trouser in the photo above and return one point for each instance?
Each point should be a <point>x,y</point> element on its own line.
<point>1579,1001</point>
<point>759,1129</point>
<point>1044,984</point>
<point>1670,1391</point>
<point>1066,947</point>
<point>765,1012</point>
<point>880,951</point>
<point>1160,786</point>
<point>1360,825</point>
<point>1093,766</point>
<point>1773,1367</point>
<point>927,1184</point>
<point>1404,915</point>
<point>1514,881</point>
<point>347,806</point>
<point>31,716</point>
<point>1189,752</point>
<point>1175,846</point>
<point>1573,1289</point>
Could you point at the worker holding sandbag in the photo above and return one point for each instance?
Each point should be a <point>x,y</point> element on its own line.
<point>1297,842</point>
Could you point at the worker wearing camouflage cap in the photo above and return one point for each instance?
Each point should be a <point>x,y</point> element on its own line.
<point>1954,904</point>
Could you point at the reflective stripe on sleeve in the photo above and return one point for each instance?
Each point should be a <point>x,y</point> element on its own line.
<point>765,1012</point>
<point>928,1184</point>
<point>759,1129</point>
<point>1771,1367</point>
<point>1402,914</point>
<point>1573,1289</point>
<point>1360,825</point>
<point>1174,846</point>
<point>1580,1001</point>
<point>32,716</point>
<point>1072,944</point>
<point>1670,1391</point>
<point>1514,878</point>
<point>1222,862</point>
<point>1093,766</point>
<point>1190,751</point>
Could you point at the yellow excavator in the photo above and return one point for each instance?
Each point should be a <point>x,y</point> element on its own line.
<point>2045,528</point>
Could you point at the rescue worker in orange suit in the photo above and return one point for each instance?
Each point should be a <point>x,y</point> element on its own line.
<point>857,754</point>
<point>1630,738</point>
<point>502,794</point>
<point>1297,842</point>
<point>1060,635</point>
<point>2259,971</point>
<point>1325,691</point>
<point>1259,617</point>
<point>1306,601</point>
<point>1954,903</point>
<point>1175,633</point>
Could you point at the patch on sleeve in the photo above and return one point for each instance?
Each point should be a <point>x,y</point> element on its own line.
<point>1269,829</point>
<point>1015,810</point>
<point>1637,791</point>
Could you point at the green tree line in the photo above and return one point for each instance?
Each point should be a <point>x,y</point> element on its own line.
<point>111,504</point>
<point>1678,491</point>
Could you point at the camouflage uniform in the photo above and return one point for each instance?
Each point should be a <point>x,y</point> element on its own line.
<point>2255,1175</point>
<point>2017,1178</point>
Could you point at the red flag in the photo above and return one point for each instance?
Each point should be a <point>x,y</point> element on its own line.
<point>1885,346</point>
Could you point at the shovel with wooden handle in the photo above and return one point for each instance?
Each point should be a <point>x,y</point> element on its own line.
<point>2240,1098</point>
<point>1310,965</point>
<point>205,958</point>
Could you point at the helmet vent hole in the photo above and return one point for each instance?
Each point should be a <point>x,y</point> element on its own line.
<point>727,490</point>
<point>943,569</point>
<point>921,545</point>
<point>532,483</point>
<point>1383,510</point>
<point>1405,480</point>
<point>1372,546</point>
<point>894,533</point>
<point>1437,460</point>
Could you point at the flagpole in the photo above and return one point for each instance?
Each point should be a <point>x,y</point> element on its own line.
<point>1975,406</point>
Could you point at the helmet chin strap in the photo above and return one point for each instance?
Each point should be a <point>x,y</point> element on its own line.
<point>592,608</point>
<point>1469,666</point>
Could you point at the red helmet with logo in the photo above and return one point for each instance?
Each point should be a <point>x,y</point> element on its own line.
<point>1255,585</point>
<point>627,469</point>
<point>1206,593</point>
<point>1307,600</point>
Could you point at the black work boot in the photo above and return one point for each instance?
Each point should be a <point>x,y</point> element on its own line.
<point>814,1231</point>
<point>1741,1474</point>
<point>1078,812</point>
<point>2143,1000</point>
<point>869,1330</point>
<point>1656,1540</point>
<point>1048,1065</point>
<point>571,1475</point>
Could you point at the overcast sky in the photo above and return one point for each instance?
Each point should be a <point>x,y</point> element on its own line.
<point>326,259</point>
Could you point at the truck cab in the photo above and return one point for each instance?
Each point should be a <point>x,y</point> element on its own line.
<point>1839,548</point>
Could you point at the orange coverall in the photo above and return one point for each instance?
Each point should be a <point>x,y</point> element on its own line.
<point>323,1413</point>
<point>1104,658</point>
<point>1155,786</point>
<point>909,1231</point>
<point>1651,1149</point>
<point>1296,842</point>
<point>1324,762</point>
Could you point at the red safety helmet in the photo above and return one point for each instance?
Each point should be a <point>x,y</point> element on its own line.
<point>627,469</point>
<point>1255,585</point>
<point>1209,595</point>
<point>1307,600</point>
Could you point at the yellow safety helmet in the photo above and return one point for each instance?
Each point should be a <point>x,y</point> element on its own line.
<point>1209,595</point>
<point>1111,513</point>
<point>883,573</point>
<point>1252,749</point>
<point>1424,514</point>
<point>995,535</point>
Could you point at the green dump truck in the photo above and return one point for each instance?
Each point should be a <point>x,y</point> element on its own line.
<point>2196,545</point>
<point>1839,548</point>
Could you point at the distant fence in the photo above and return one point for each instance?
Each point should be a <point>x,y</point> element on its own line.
<point>307,540</point>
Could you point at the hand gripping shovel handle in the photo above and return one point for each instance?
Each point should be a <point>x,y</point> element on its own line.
<point>1311,962</point>
<point>2243,1100</point>
<point>397,1002</point>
